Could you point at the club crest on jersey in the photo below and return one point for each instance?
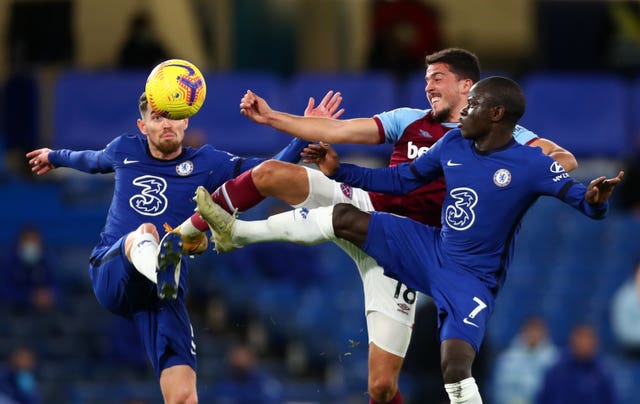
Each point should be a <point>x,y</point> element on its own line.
<point>502,177</point>
<point>185,168</point>
<point>346,190</point>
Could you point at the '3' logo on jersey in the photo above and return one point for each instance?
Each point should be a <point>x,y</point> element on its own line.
<point>151,201</point>
<point>460,215</point>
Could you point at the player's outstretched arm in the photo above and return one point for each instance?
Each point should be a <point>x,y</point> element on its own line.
<point>566,159</point>
<point>600,189</point>
<point>310,128</point>
<point>328,107</point>
<point>39,161</point>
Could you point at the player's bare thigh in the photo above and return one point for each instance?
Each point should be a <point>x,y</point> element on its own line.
<point>285,181</point>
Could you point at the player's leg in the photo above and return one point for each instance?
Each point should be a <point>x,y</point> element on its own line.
<point>285,181</point>
<point>456,361</point>
<point>390,314</point>
<point>302,226</point>
<point>465,305</point>
<point>157,261</point>
<point>384,372</point>
<point>141,248</point>
<point>178,385</point>
<point>167,336</point>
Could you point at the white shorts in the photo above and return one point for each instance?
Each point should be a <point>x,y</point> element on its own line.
<point>391,332</point>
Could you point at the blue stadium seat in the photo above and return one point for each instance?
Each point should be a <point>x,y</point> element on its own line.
<point>413,92</point>
<point>92,108</point>
<point>586,114</point>
<point>634,106</point>
<point>364,95</point>
<point>220,118</point>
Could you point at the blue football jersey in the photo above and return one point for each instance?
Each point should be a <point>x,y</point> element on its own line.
<point>487,194</point>
<point>148,189</point>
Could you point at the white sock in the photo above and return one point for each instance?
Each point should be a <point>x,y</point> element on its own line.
<point>465,391</point>
<point>188,229</point>
<point>144,255</point>
<point>301,226</point>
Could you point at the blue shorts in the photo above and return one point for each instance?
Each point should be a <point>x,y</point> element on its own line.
<point>411,252</point>
<point>163,325</point>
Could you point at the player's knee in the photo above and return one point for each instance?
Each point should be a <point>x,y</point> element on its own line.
<point>382,388</point>
<point>148,228</point>
<point>183,396</point>
<point>349,221</point>
<point>343,216</point>
<point>267,173</point>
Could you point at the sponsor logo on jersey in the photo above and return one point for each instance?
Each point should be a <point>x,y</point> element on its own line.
<point>560,176</point>
<point>452,164</point>
<point>414,151</point>
<point>425,133</point>
<point>151,200</point>
<point>346,190</point>
<point>556,168</point>
<point>185,168</point>
<point>127,161</point>
<point>460,214</point>
<point>304,212</point>
<point>502,177</point>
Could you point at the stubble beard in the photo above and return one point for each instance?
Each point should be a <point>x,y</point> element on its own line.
<point>168,146</point>
<point>442,115</point>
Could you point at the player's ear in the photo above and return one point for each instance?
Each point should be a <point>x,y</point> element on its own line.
<point>465,85</point>
<point>141,126</point>
<point>497,113</point>
<point>186,123</point>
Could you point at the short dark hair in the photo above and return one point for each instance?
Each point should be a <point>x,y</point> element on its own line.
<point>506,92</point>
<point>464,64</point>
<point>143,104</point>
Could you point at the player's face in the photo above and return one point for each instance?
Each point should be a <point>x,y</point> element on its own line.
<point>475,117</point>
<point>164,135</point>
<point>446,93</point>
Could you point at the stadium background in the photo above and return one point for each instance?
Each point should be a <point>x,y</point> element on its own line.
<point>301,308</point>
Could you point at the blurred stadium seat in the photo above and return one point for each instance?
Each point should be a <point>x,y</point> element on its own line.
<point>364,95</point>
<point>220,118</point>
<point>413,92</point>
<point>92,108</point>
<point>634,116</point>
<point>586,114</point>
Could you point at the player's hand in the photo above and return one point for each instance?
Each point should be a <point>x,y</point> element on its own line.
<point>323,155</point>
<point>600,189</point>
<point>39,161</point>
<point>255,108</point>
<point>328,107</point>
